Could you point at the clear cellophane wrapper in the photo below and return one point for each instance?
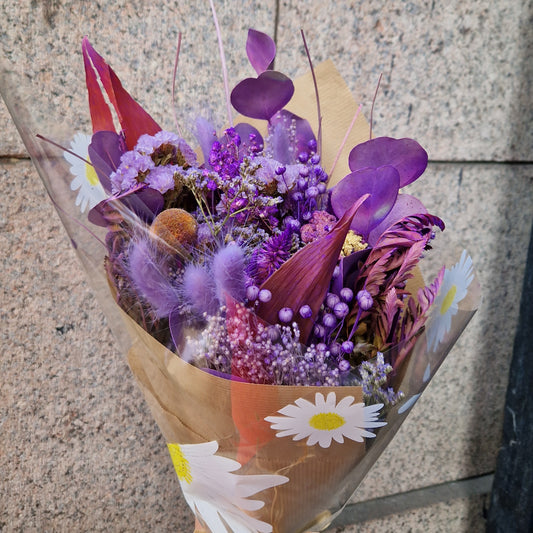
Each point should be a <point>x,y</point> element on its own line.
<point>192,406</point>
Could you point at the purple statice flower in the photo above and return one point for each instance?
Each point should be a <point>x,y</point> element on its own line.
<point>270,171</point>
<point>162,178</point>
<point>373,380</point>
<point>133,166</point>
<point>269,256</point>
<point>163,142</point>
<point>224,156</point>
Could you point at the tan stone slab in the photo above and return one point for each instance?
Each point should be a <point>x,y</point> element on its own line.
<point>460,516</point>
<point>41,42</point>
<point>456,75</point>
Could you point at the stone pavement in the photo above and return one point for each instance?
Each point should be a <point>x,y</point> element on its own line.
<point>78,448</point>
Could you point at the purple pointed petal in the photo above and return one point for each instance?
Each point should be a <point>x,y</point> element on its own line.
<point>305,278</point>
<point>264,96</point>
<point>206,135</point>
<point>280,141</point>
<point>105,151</point>
<point>406,205</point>
<point>381,183</point>
<point>349,266</point>
<point>405,155</point>
<point>280,144</point>
<point>144,202</point>
<point>261,50</point>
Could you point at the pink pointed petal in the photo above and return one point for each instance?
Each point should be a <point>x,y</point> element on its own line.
<point>135,121</point>
<point>261,50</point>
<point>101,117</point>
<point>306,276</point>
<point>132,117</point>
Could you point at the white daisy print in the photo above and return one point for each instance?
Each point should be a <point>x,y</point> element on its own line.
<point>218,497</point>
<point>326,420</point>
<point>453,289</point>
<point>86,182</point>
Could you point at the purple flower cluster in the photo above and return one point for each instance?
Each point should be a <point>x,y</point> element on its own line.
<point>290,283</point>
<point>242,346</point>
<point>155,161</point>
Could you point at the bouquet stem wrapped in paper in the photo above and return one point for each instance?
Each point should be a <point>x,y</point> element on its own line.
<point>270,289</point>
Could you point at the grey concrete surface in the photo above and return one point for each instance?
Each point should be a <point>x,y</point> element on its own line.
<point>78,448</point>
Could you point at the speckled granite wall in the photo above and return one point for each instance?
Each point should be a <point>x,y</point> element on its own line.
<point>78,448</point>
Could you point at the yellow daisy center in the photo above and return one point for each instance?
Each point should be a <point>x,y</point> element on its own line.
<point>448,299</point>
<point>183,469</point>
<point>326,421</point>
<point>91,175</point>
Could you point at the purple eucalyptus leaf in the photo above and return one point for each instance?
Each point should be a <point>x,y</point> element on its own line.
<point>144,202</point>
<point>405,155</point>
<point>98,215</point>
<point>261,50</point>
<point>380,183</point>
<point>264,96</point>
<point>105,151</point>
<point>280,144</point>
<point>406,205</point>
<point>284,149</point>
<point>251,139</point>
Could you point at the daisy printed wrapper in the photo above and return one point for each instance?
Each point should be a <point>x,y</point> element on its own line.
<point>269,287</point>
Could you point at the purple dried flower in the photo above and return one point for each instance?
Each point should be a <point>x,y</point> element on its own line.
<point>346,294</point>
<point>265,295</point>
<point>266,259</point>
<point>364,299</point>
<point>198,290</point>
<point>321,224</point>
<point>347,347</point>
<point>332,299</point>
<point>285,314</point>
<point>252,293</point>
<point>329,320</point>
<point>162,178</point>
<point>150,273</point>
<point>344,365</point>
<point>341,310</point>
<point>306,311</point>
<point>132,164</point>
<point>228,273</point>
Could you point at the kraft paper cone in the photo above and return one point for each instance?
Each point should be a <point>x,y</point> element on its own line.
<point>193,406</point>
